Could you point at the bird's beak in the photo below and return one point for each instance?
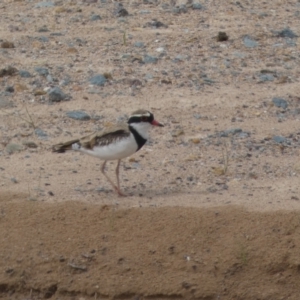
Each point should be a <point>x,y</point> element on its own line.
<point>155,123</point>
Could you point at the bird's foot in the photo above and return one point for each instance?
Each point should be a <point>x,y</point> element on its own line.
<point>119,192</point>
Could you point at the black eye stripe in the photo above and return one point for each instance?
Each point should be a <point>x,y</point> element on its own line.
<point>138,119</point>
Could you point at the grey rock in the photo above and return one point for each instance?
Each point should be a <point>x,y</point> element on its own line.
<point>78,115</point>
<point>98,80</point>
<point>288,33</point>
<point>197,116</point>
<point>56,33</point>
<point>43,39</point>
<point>95,17</point>
<point>30,144</point>
<point>197,5</point>
<point>139,44</point>
<point>144,12</point>
<point>57,95</point>
<point>4,103</point>
<point>65,81</point>
<point>14,180</point>
<point>41,133</point>
<point>243,134</point>
<point>44,4</point>
<point>119,10</point>
<point>280,102</point>
<point>249,42</point>
<point>24,74</point>
<point>148,59</point>
<point>42,71</point>
<point>180,57</point>
<point>279,139</point>
<point>266,77</point>
<point>9,89</point>
<point>155,24</point>
<point>12,148</point>
<point>179,9</point>
<point>229,132</point>
<point>148,76</point>
<point>239,54</point>
<point>43,29</point>
<point>49,78</point>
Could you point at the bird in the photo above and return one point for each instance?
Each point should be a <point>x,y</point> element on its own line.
<point>114,143</point>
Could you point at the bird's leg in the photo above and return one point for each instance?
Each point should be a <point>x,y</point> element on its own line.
<point>110,181</point>
<point>118,180</point>
<point>103,172</point>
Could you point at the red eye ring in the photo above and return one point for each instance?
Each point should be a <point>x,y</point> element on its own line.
<point>144,119</point>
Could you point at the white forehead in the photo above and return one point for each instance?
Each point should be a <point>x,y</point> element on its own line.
<point>145,114</point>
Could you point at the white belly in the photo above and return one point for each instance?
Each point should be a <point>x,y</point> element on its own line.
<point>118,150</point>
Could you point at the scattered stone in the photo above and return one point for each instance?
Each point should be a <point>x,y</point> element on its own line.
<point>139,44</point>
<point>12,148</point>
<point>24,74</point>
<point>98,80</point>
<point>249,42</point>
<point>280,102</point>
<point>222,36</point>
<point>155,24</point>
<point>197,5</point>
<point>192,157</point>
<point>7,45</point>
<point>39,92</point>
<point>120,11</point>
<point>287,33</point>
<point>108,75</point>
<point>9,89</point>
<point>78,115</point>
<point>266,77</point>
<point>144,12</point>
<point>78,267</point>
<point>30,144</point>
<point>49,78</point>
<point>148,59</point>
<point>41,133</point>
<point>43,39</point>
<point>42,71</point>
<point>195,140</point>
<point>149,76</point>
<point>279,139</point>
<point>180,9</point>
<point>5,103</point>
<point>95,17</point>
<point>44,4</point>
<point>44,28</point>
<point>20,87</point>
<point>177,131</point>
<point>14,180</point>
<point>180,57</point>
<point>8,71</point>
<point>229,132</point>
<point>57,95</point>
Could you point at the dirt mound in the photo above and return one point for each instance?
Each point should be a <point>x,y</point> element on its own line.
<point>73,250</point>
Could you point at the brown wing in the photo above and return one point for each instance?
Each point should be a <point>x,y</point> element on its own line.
<point>104,138</point>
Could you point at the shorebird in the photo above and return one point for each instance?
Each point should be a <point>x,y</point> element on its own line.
<point>114,143</point>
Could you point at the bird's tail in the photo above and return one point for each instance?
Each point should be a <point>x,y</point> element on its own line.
<point>63,147</point>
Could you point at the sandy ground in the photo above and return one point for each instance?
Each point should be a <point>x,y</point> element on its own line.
<point>212,206</point>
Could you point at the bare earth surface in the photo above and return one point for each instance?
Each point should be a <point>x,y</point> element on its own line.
<point>213,205</point>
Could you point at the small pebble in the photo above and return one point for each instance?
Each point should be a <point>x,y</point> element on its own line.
<point>78,115</point>
<point>57,95</point>
<point>280,102</point>
<point>98,80</point>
